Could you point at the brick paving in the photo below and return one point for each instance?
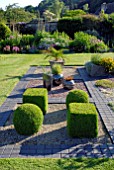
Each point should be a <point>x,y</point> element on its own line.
<point>59,151</point>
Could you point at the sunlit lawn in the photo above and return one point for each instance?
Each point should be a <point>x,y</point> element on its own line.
<point>56,164</point>
<point>14,66</point>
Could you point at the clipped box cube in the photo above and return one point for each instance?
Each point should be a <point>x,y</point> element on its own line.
<point>38,96</point>
<point>82,120</point>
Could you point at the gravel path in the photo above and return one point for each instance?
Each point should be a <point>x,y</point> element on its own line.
<point>53,131</point>
<point>57,91</point>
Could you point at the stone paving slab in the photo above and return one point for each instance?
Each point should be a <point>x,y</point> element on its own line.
<point>88,151</point>
<point>59,151</point>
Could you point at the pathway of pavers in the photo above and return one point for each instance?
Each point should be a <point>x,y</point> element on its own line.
<point>59,151</point>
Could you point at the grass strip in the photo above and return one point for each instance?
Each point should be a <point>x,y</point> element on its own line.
<point>57,164</point>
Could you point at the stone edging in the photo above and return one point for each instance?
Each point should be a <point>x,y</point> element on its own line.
<point>101,103</point>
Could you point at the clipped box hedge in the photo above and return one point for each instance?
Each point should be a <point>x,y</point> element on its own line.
<point>28,119</point>
<point>38,96</point>
<point>82,120</point>
<point>77,96</point>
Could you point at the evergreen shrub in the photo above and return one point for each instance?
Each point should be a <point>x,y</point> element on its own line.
<point>27,119</point>
<point>38,96</point>
<point>77,96</point>
<point>84,42</point>
<point>4,31</point>
<point>82,120</point>
<point>56,69</point>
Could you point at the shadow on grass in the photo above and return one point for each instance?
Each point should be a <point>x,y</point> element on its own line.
<point>80,163</point>
<point>3,96</point>
<point>26,77</point>
<point>8,77</point>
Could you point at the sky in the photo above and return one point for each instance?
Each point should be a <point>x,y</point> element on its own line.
<point>21,3</point>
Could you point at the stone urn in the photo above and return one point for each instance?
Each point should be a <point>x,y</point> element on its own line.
<point>57,79</point>
<point>47,81</point>
<point>52,62</point>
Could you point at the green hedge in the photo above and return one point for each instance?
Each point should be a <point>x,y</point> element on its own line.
<point>70,25</point>
<point>82,120</point>
<point>104,26</point>
<point>77,96</point>
<point>72,13</point>
<point>38,96</point>
<point>27,119</point>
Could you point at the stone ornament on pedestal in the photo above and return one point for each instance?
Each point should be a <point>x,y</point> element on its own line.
<point>95,70</point>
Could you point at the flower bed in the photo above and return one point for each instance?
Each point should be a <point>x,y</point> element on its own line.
<point>106,88</point>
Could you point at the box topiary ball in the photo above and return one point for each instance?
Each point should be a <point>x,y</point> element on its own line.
<point>27,119</point>
<point>77,96</point>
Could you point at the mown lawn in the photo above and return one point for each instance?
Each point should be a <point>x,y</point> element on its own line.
<point>56,164</point>
<point>14,66</point>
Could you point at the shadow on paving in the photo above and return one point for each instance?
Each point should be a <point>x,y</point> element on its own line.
<point>58,91</point>
<point>10,136</point>
<point>53,131</point>
<point>29,76</point>
<point>15,96</point>
<point>78,149</point>
<point>21,90</point>
<point>52,117</point>
<point>54,142</point>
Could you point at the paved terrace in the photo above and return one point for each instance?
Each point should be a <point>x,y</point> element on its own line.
<point>59,151</point>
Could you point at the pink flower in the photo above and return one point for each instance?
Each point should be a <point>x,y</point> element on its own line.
<point>6,48</point>
<point>15,49</point>
<point>11,36</point>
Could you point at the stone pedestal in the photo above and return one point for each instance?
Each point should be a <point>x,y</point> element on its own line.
<point>95,70</point>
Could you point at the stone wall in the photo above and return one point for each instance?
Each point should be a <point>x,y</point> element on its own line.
<point>51,26</point>
<point>47,26</point>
